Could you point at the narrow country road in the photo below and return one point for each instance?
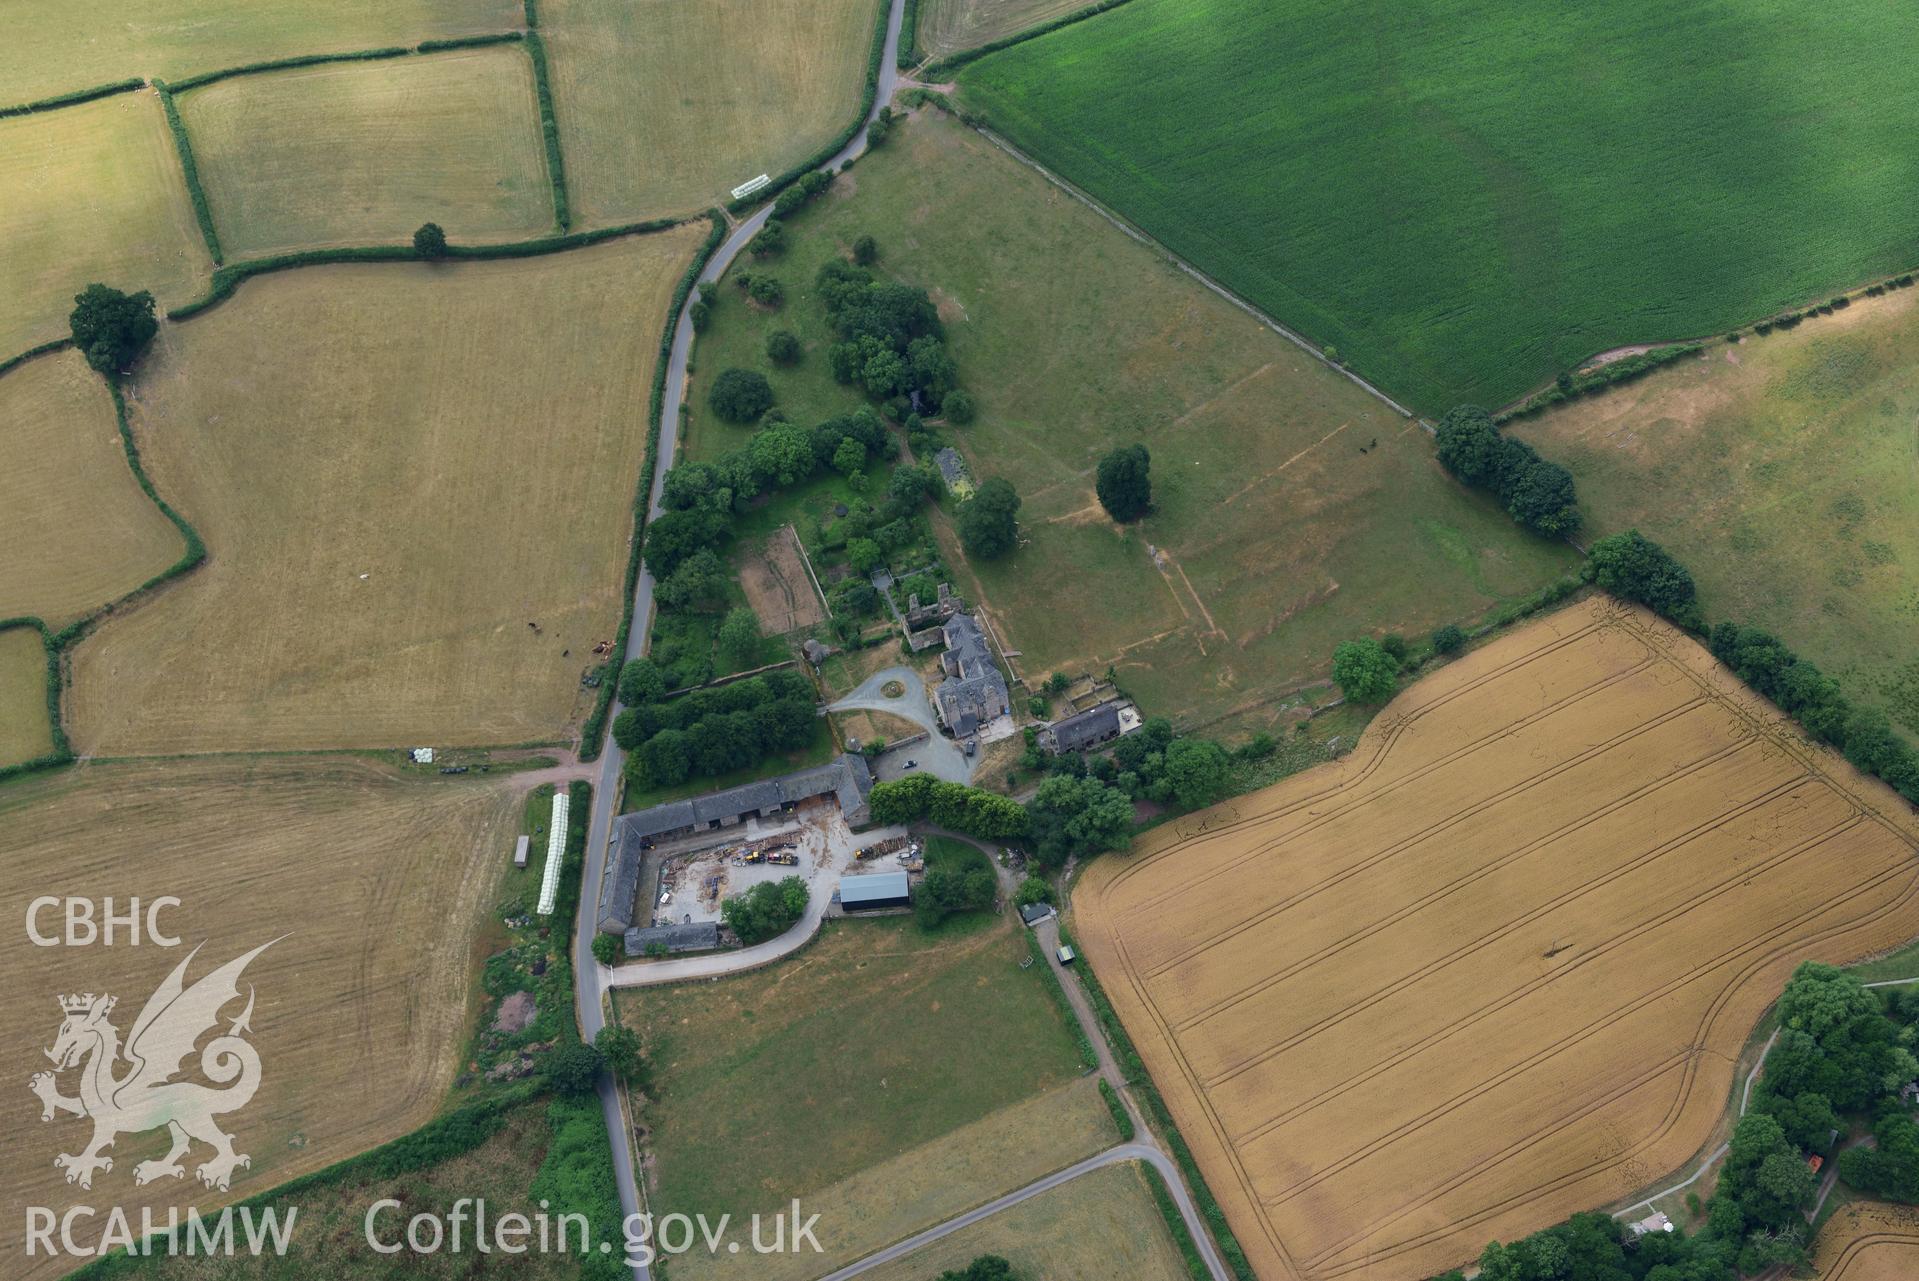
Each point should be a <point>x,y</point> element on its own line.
<point>590,978</point>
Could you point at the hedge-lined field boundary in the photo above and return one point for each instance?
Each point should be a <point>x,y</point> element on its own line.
<point>549,129</point>
<point>1134,1070</point>
<point>12,363</point>
<point>62,750</point>
<point>57,643</point>
<point>440,1140</point>
<point>202,209</point>
<point>1175,1223</point>
<point>903,57</point>
<point>229,278</point>
<point>868,97</point>
<point>593,729</point>
<point>73,99</point>
<point>954,61</point>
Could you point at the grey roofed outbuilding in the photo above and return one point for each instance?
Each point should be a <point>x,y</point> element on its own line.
<point>952,466</point>
<point>1034,913</point>
<point>846,777</point>
<point>1082,730</point>
<point>692,936</point>
<point>875,889</point>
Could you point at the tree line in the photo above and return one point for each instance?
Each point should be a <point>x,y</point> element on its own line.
<point>709,731</point>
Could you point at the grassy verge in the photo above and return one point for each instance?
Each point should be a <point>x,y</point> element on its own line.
<point>1176,1226</point>
<point>1137,1076</point>
<point>1087,1057</point>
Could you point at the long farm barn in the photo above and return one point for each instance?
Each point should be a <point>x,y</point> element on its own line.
<point>1493,967</point>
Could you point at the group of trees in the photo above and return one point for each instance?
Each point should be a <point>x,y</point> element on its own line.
<point>955,806</point>
<point>1538,494</point>
<point>768,909</point>
<point>1365,670</point>
<point>710,731</point>
<point>987,1267</point>
<point>988,521</point>
<point>1124,483</point>
<point>891,343</point>
<point>1592,1247</point>
<point>110,328</point>
<point>1076,815</point>
<point>951,886</point>
<point>1632,566</point>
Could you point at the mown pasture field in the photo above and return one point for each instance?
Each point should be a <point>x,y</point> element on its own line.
<point>1099,1226</point>
<point>664,107</point>
<point>1784,472</point>
<point>887,1077</point>
<point>416,483</point>
<point>53,50</point>
<point>77,529</point>
<point>1294,510</point>
<point>1494,966</point>
<point>948,26</point>
<point>1869,1241</point>
<point>374,885</point>
<point>354,153</point>
<point>1467,199</point>
<point>94,192</point>
<point>26,730</point>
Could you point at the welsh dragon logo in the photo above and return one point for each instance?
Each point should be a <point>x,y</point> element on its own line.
<point>145,1096</point>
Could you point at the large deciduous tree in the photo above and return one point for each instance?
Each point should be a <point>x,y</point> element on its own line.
<point>1124,485</point>
<point>112,328</point>
<point>988,523</point>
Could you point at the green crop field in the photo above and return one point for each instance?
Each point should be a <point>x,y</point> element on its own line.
<point>1294,510</point>
<point>1784,472</point>
<point>53,49</point>
<point>93,192</point>
<point>25,730</point>
<point>1466,198</point>
<point>362,152</point>
<point>876,1039</point>
<point>666,106</point>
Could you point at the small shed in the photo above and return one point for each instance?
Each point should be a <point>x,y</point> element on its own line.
<point>519,850</point>
<point>1066,954</point>
<point>874,891</point>
<point>1034,913</point>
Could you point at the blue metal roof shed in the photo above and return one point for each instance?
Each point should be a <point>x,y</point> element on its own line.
<point>874,890</point>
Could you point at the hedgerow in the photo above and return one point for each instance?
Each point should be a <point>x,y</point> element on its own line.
<point>44,349</point>
<point>1122,1119</point>
<point>874,58</point>
<point>229,278</point>
<point>1594,381</point>
<point>286,64</point>
<point>73,99</point>
<point>62,751</point>
<point>954,61</point>
<point>469,42</point>
<point>909,34</point>
<point>593,729</point>
<point>549,127</point>
<point>202,211</point>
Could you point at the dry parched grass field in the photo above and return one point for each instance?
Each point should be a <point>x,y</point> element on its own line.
<point>373,883</point>
<point>54,49</point>
<point>351,153</point>
<point>77,529</point>
<point>397,469</point>
<point>664,106</point>
<point>1493,967</point>
<point>1868,1241</point>
<point>25,731</point>
<point>948,26</point>
<point>93,192</point>
<point>1100,1226</point>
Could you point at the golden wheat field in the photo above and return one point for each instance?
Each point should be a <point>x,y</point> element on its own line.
<point>77,529</point>
<point>25,730</point>
<point>664,106</point>
<point>1869,1241</point>
<point>415,483</point>
<point>351,153</point>
<point>373,883</point>
<point>92,193</point>
<point>1493,967</point>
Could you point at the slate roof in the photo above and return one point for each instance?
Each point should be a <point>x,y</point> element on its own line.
<point>694,936</point>
<point>1084,729</point>
<point>846,777</point>
<point>973,692</point>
